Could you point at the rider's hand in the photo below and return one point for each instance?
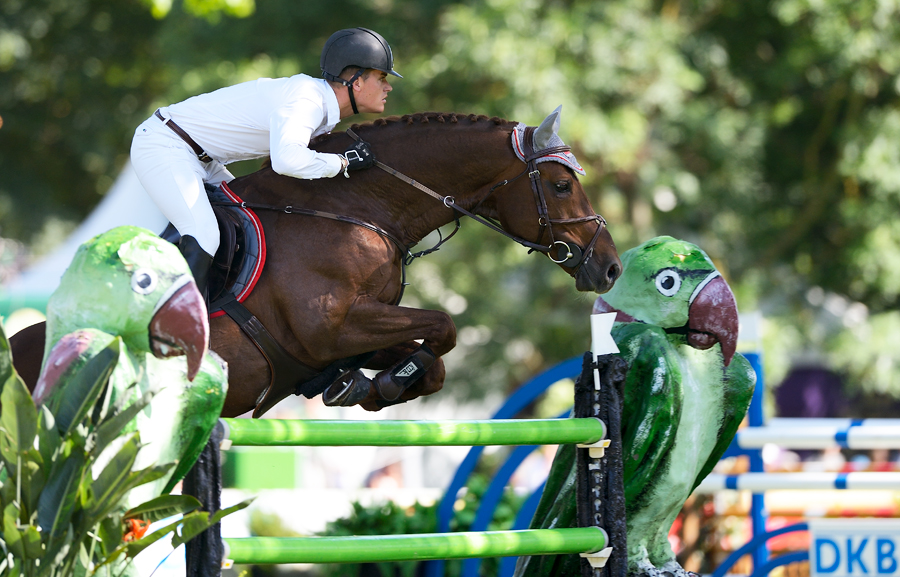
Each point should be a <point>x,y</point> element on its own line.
<point>359,156</point>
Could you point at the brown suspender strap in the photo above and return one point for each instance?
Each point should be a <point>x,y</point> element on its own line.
<point>198,150</point>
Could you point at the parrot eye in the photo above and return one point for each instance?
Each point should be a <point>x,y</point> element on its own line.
<point>668,282</point>
<point>143,281</point>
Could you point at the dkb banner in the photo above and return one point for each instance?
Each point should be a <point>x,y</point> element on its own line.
<point>854,547</point>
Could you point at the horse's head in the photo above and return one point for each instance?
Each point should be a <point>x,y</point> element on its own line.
<point>545,204</point>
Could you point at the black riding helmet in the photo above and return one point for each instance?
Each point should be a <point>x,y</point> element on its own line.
<point>355,47</point>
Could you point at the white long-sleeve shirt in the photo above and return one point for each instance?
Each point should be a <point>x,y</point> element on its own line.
<point>274,117</point>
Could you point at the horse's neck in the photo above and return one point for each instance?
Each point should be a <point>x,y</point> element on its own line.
<point>462,166</point>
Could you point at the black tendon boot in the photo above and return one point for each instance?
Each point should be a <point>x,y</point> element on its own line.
<point>198,260</point>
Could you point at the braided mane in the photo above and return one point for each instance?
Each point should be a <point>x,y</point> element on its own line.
<point>427,117</point>
<point>421,118</point>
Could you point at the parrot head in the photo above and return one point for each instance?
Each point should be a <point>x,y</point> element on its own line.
<point>131,283</point>
<point>674,285</point>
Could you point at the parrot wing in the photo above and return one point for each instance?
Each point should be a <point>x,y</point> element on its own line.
<point>201,403</point>
<point>651,406</point>
<point>738,385</point>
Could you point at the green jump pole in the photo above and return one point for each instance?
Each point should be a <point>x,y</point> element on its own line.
<point>268,432</point>
<point>373,549</point>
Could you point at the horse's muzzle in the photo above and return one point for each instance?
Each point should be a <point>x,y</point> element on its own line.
<point>181,327</point>
<point>598,277</point>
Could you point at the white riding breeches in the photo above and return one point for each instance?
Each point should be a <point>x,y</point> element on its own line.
<point>173,176</point>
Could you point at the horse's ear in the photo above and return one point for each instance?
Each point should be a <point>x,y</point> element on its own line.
<point>548,128</point>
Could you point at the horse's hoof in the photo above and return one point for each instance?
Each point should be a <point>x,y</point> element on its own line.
<point>349,389</point>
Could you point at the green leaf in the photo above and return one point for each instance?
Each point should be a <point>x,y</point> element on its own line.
<point>110,533</point>
<point>222,513</point>
<point>57,501</point>
<point>200,521</point>
<point>8,452</point>
<point>16,570</point>
<point>148,475</point>
<point>7,493</point>
<point>84,388</point>
<point>18,417</point>
<point>32,542</point>
<point>163,507</point>
<point>82,562</point>
<point>48,436</point>
<point>192,525</point>
<point>133,548</point>
<point>108,487</point>
<point>58,548</point>
<point>6,360</point>
<point>11,533</point>
<point>112,428</point>
<point>32,480</point>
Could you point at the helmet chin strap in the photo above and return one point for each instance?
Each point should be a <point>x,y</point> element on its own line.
<point>352,99</point>
<point>349,85</point>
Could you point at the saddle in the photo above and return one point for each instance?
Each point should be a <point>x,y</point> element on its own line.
<point>240,257</point>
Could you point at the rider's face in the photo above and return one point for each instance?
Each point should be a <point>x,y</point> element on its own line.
<point>371,91</point>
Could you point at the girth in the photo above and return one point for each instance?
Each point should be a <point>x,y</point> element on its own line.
<point>288,376</point>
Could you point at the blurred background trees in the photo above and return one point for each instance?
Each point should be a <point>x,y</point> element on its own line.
<point>764,131</point>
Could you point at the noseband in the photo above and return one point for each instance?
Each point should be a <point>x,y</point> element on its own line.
<point>564,253</point>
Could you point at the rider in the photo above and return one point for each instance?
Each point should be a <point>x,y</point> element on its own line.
<point>184,145</point>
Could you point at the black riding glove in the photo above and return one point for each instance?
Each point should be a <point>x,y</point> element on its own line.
<point>359,156</point>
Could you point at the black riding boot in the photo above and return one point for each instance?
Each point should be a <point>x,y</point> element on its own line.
<point>198,260</point>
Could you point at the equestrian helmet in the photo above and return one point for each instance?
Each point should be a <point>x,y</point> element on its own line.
<point>356,47</point>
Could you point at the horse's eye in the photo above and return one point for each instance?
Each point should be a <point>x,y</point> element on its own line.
<point>668,282</point>
<point>143,281</point>
<point>563,186</point>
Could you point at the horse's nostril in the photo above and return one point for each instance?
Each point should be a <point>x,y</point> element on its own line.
<point>613,273</point>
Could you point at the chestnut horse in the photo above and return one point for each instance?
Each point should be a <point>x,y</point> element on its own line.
<point>330,288</point>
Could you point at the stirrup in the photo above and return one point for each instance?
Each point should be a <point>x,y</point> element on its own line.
<point>348,389</point>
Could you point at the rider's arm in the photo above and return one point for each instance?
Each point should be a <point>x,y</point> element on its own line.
<point>290,130</point>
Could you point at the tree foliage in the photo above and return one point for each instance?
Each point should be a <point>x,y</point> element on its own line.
<point>764,131</point>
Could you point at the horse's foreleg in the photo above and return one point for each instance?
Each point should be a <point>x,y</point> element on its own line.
<point>419,371</point>
<point>372,326</point>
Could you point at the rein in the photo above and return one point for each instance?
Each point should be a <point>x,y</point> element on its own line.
<point>568,254</point>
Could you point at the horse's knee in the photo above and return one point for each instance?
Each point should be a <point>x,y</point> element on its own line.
<point>444,339</point>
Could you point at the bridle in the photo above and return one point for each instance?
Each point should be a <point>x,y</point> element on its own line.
<point>564,253</point>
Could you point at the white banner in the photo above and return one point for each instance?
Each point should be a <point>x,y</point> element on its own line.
<point>854,547</point>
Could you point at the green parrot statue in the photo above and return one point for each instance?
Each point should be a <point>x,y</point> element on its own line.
<point>685,394</point>
<point>129,284</point>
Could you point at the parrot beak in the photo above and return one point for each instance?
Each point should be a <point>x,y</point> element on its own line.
<point>601,306</point>
<point>713,317</point>
<point>180,325</point>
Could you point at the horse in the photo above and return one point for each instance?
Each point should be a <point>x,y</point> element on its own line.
<point>336,251</point>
